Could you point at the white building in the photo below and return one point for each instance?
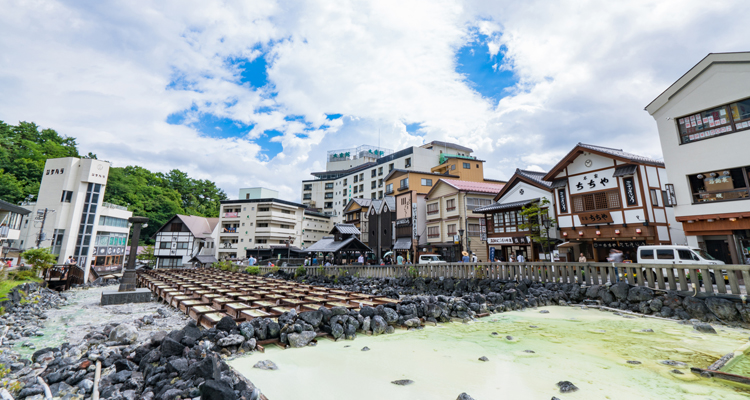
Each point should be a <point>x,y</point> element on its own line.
<point>11,221</point>
<point>254,223</point>
<point>704,127</point>
<point>361,172</point>
<point>184,237</point>
<point>76,222</point>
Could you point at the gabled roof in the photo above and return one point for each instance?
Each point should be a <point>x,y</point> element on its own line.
<point>617,154</point>
<point>4,205</point>
<point>329,245</point>
<point>469,186</point>
<point>406,171</point>
<point>346,229</point>
<point>361,202</point>
<point>200,227</point>
<point>533,178</point>
<point>693,73</point>
<point>437,143</point>
<point>504,206</point>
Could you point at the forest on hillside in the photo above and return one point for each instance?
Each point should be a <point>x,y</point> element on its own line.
<point>24,149</point>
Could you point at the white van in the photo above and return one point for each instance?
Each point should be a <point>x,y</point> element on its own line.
<point>430,259</point>
<point>675,255</point>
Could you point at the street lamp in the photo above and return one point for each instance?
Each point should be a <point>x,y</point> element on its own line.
<point>288,248</point>
<point>460,240</point>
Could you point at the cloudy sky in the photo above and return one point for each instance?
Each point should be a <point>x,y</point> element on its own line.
<point>253,93</point>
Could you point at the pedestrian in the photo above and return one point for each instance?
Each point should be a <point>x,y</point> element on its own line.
<point>581,258</point>
<point>400,260</point>
<point>615,256</point>
<point>521,258</point>
<point>473,257</point>
<point>511,258</point>
<point>361,258</point>
<point>315,260</point>
<point>465,257</point>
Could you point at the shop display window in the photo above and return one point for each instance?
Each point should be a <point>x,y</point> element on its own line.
<point>728,118</point>
<point>596,201</point>
<point>729,184</point>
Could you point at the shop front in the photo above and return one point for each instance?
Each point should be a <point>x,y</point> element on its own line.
<point>725,237</point>
<point>595,243</point>
<point>503,247</point>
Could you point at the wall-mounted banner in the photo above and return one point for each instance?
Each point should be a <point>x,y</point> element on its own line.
<point>562,201</point>
<point>592,181</point>
<point>630,196</point>
<point>599,217</point>
<point>509,240</point>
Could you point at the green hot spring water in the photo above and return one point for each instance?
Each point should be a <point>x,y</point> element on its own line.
<point>587,347</point>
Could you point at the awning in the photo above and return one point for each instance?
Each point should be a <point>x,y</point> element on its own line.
<point>204,259</point>
<point>567,244</point>
<point>559,183</point>
<point>402,244</point>
<point>625,170</point>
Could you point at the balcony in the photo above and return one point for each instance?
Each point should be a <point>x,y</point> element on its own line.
<point>229,230</point>
<point>228,246</point>
<point>389,191</point>
<point>450,209</point>
<point>231,215</point>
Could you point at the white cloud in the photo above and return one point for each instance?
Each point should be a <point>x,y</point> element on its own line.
<point>99,71</point>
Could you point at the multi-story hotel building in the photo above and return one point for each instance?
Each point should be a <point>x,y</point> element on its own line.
<point>11,221</point>
<point>361,172</point>
<point>704,127</point>
<point>76,220</point>
<point>184,240</point>
<point>253,222</point>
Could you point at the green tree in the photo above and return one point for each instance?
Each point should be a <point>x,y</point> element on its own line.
<point>534,217</point>
<point>41,258</point>
<point>147,255</point>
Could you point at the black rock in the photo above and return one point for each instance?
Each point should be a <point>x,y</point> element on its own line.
<point>403,382</point>
<point>123,364</point>
<point>266,364</point>
<point>169,347</point>
<point>633,362</point>
<point>208,368</point>
<point>216,390</point>
<point>464,396</point>
<point>30,391</point>
<point>365,348</point>
<point>179,365</point>
<point>484,358</point>
<point>226,324</point>
<point>566,386</point>
<point>121,377</point>
<point>704,327</point>
<point>313,318</point>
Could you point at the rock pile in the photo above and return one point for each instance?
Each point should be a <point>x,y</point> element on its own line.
<point>25,313</point>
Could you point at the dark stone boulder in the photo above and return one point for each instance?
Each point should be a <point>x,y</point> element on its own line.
<point>640,293</point>
<point>169,347</point>
<point>607,296</point>
<point>313,318</point>
<point>744,311</point>
<point>216,390</point>
<point>723,309</point>
<point>704,327</point>
<point>367,311</point>
<point>226,324</point>
<point>655,305</point>
<point>620,290</point>
<point>378,325</point>
<point>179,365</point>
<point>391,316</point>
<point>695,308</point>
<point>208,368</point>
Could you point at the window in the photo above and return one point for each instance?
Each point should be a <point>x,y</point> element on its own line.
<point>362,176</point>
<point>344,182</point>
<point>262,209</point>
<point>467,165</point>
<point>654,197</point>
<point>450,205</point>
<point>720,185</point>
<point>686,255</point>
<point>286,212</point>
<point>262,225</point>
<point>433,232</point>
<point>182,245</point>
<point>717,121</point>
<point>356,178</point>
<point>287,227</point>
<point>374,172</point>
<point>407,163</point>
<point>170,262</point>
<point>665,254</point>
<point>380,194</point>
<point>404,184</point>
<point>165,245</point>
<point>380,171</point>
<point>596,201</point>
<point>307,196</point>
<point>389,188</point>
<point>308,186</point>
<point>475,202</point>
<point>343,192</point>
<point>426,182</point>
<point>356,189</point>
<point>176,227</point>
<point>329,195</point>
<point>508,222</point>
<point>328,204</point>
<point>432,208</point>
<point>112,221</point>
<point>473,229</point>
<point>372,195</point>
<point>380,183</point>
<point>261,241</point>
<point>665,199</point>
<point>67,195</point>
<point>373,184</point>
<point>361,188</point>
<point>390,167</point>
<point>451,229</point>
<point>329,186</point>
<point>57,240</point>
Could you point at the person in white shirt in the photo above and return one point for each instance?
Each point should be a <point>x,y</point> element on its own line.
<point>361,259</point>
<point>473,257</point>
<point>520,258</point>
<point>511,258</point>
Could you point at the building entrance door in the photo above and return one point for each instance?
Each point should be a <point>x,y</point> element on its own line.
<point>719,249</point>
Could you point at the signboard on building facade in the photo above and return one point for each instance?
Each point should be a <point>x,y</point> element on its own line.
<point>492,254</point>
<point>590,182</point>
<point>671,196</point>
<point>630,197</point>
<point>403,221</point>
<point>626,245</point>
<point>482,229</point>
<point>562,201</point>
<point>414,220</point>
<point>509,240</point>
<point>599,217</point>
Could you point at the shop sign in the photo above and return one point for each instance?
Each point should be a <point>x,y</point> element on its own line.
<point>601,217</point>
<point>508,240</point>
<point>671,196</point>
<point>403,221</point>
<point>624,245</point>
<point>456,239</point>
<point>593,181</point>
<point>414,219</point>
<point>492,254</point>
<point>630,197</point>
<point>562,201</point>
<point>482,229</point>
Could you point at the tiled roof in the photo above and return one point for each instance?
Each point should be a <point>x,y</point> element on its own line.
<point>362,201</point>
<point>200,227</point>
<point>4,205</point>
<point>329,245</point>
<point>625,170</point>
<point>535,176</point>
<point>469,186</point>
<point>504,206</point>
<point>346,229</point>
<point>623,154</point>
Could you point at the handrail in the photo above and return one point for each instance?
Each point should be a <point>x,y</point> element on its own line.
<point>676,277</point>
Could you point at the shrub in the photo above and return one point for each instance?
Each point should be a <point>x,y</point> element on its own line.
<point>275,269</point>
<point>253,270</point>
<point>412,271</point>
<point>301,271</point>
<point>39,258</point>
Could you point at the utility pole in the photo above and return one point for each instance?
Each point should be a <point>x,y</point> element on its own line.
<point>39,238</point>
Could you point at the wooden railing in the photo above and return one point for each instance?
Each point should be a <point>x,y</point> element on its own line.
<point>729,279</point>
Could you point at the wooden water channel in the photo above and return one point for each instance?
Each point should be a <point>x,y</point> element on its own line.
<point>207,295</point>
<point>674,277</point>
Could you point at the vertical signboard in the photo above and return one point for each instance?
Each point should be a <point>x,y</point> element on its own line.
<point>482,229</point>
<point>562,201</point>
<point>492,254</point>
<point>630,197</point>
<point>414,230</point>
<point>671,196</point>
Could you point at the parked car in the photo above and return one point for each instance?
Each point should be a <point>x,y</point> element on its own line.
<point>431,259</point>
<point>676,255</point>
